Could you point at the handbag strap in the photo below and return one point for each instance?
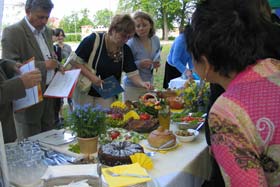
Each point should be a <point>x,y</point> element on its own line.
<point>97,60</point>
<point>93,52</point>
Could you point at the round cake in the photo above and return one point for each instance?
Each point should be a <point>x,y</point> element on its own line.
<point>117,153</point>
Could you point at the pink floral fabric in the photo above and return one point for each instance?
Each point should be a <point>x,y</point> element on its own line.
<point>249,154</point>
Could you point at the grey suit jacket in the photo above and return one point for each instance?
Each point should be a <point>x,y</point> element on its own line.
<point>11,88</point>
<point>19,44</point>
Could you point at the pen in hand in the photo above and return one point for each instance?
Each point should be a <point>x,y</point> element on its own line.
<point>101,85</point>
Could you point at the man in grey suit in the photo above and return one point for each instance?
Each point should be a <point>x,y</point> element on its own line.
<point>12,86</point>
<point>31,38</point>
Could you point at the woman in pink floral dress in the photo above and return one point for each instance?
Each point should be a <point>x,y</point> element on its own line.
<point>234,46</point>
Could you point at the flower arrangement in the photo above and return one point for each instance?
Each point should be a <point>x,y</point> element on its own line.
<point>87,121</point>
<point>196,96</point>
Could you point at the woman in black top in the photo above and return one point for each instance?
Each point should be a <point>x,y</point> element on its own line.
<point>114,58</point>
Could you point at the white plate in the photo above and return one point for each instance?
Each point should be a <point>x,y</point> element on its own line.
<point>148,146</point>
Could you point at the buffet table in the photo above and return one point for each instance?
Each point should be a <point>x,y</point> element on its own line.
<point>186,165</point>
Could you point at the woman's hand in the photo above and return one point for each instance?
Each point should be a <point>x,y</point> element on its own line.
<point>188,74</point>
<point>97,81</point>
<point>156,64</point>
<point>147,85</point>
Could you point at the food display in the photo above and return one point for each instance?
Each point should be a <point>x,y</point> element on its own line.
<point>120,134</point>
<point>175,102</point>
<point>188,117</point>
<point>118,153</point>
<point>184,133</point>
<point>166,93</point>
<point>187,135</point>
<point>161,136</point>
<point>141,125</point>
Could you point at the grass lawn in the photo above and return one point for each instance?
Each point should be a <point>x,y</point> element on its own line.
<point>159,75</point>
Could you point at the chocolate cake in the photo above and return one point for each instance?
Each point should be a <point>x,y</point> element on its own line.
<point>117,153</point>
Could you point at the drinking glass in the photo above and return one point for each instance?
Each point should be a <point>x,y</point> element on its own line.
<point>164,117</point>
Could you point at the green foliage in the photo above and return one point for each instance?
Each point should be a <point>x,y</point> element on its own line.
<point>85,20</point>
<point>196,96</point>
<point>103,18</point>
<point>73,22</point>
<point>73,37</point>
<point>87,121</point>
<point>75,148</point>
<point>164,12</point>
<point>159,73</point>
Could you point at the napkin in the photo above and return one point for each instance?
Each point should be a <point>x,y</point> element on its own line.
<point>70,170</point>
<point>142,159</point>
<point>123,180</point>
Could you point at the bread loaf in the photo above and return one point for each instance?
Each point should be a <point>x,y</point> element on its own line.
<point>160,137</point>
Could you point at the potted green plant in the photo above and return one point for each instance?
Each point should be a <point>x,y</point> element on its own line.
<point>88,123</point>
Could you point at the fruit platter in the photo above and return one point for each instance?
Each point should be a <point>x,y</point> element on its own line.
<point>120,134</point>
<point>187,120</point>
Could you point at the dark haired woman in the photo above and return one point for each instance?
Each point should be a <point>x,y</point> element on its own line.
<point>234,46</point>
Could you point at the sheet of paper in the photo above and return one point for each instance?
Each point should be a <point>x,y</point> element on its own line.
<point>110,87</point>
<point>62,84</point>
<point>50,74</point>
<point>32,96</point>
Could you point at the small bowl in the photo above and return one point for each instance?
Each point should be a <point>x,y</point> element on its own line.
<point>186,125</point>
<point>182,135</point>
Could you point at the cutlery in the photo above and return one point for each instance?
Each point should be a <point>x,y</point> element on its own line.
<point>204,115</point>
<point>199,126</point>
<point>99,172</point>
<point>166,144</point>
<point>109,172</point>
<point>150,154</point>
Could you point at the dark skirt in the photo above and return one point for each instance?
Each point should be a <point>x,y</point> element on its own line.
<point>169,74</point>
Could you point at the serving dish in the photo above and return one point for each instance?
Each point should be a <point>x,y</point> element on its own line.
<point>148,146</point>
<point>187,135</point>
<point>185,125</point>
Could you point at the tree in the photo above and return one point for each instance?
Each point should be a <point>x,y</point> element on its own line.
<point>69,23</point>
<point>166,13</point>
<point>84,18</point>
<point>74,21</point>
<point>103,18</point>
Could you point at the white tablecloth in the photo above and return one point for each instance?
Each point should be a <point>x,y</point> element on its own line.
<point>178,83</point>
<point>186,166</point>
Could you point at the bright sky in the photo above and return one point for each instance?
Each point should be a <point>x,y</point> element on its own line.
<point>66,7</point>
